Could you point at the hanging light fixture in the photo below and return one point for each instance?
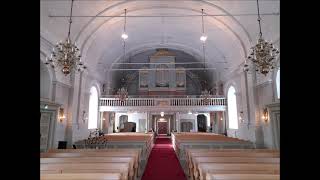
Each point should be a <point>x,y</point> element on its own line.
<point>66,54</point>
<point>205,94</point>
<point>263,54</point>
<point>124,35</point>
<point>203,37</point>
<point>122,93</point>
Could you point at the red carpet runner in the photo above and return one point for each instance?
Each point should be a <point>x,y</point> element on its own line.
<point>163,163</point>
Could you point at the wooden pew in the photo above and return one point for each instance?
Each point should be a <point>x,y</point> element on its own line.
<point>244,153</point>
<point>81,176</point>
<point>194,171</point>
<point>188,151</point>
<point>77,160</point>
<point>118,140</point>
<point>136,165</point>
<point>133,155</point>
<point>212,176</point>
<point>122,168</point>
<point>231,154</point>
<point>145,141</point>
<point>182,141</point>
<point>236,168</point>
<point>95,150</point>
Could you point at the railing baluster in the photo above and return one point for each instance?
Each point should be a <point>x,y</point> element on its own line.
<point>173,102</point>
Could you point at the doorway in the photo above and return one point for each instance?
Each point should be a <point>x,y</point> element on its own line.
<point>162,124</point>
<point>162,127</point>
<point>202,123</point>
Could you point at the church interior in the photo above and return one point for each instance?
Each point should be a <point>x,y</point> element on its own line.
<point>160,89</point>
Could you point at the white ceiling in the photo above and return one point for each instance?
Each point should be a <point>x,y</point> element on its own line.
<point>229,37</point>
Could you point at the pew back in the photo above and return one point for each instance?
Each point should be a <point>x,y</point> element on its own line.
<point>122,168</point>
<point>237,168</point>
<point>81,176</point>
<point>211,176</point>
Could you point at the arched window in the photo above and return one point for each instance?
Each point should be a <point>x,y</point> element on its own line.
<point>232,108</point>
<point>278,83</point>
<point>93,108</point>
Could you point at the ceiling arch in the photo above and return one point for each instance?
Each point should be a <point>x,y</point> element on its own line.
<point>229,37</point>
<point>213,46</point>
<point>243,46</point>
<point>180,6</point>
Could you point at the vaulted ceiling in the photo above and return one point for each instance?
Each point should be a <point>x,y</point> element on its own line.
<point>230,35</point>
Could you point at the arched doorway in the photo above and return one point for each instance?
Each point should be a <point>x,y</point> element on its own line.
<point>202,123</point>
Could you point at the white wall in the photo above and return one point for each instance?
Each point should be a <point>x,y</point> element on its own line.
<point>62,98</point>
<point>55,91</point>
<point>185,117</point>
<point>80,128</point>
<point>261,93</point>
<point>266,94</point>
<point>237,80</point>
<point>45,83</point>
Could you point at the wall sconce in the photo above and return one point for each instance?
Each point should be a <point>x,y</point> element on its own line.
<point>265,115</point>
<point>46,106</point>
<point>241,117</point>
<point>84,118</point>
<point>61,115</point>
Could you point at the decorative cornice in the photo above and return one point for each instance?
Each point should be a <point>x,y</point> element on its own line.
<point>273,105</point>
<point>264,83</point>
<point>163,52</point>
<point>62,84</point>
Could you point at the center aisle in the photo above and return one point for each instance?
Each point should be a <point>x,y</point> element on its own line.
<point>163,163</point>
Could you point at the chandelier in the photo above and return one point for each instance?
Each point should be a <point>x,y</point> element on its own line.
<point>206,95</point>
<point>66,54</point>
<point>122,93</point>
<point>263,54</point>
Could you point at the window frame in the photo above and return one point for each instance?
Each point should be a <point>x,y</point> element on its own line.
<point>235,110</point>
<point>278,83</point>
<point>93,121</point>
